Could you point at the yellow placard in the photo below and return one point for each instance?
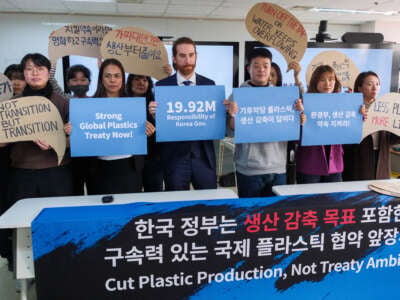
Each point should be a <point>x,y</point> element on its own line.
<point>77,39</point>
<point>6,89</point>
<point>274,26</point>
<point>345,69</point>
<point>138,50</point>
<point>30,118</point>
<point>383,114</point>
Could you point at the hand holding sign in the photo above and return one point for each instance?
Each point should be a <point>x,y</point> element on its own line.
<point>6,90</point>
<point>383,114</point>
<point>76,39</point>
<point>138,50</point>
<point>33,118</point>
<point>276,27</point>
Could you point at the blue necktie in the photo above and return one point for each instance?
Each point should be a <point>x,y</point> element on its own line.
<point>187,82</point>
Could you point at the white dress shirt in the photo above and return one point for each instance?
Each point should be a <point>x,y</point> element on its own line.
<point>181,79</point>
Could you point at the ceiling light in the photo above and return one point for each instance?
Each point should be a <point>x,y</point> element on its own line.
<point>59,24</point>
<point>91,1</point>
<point>355,11</point>
<point>56,24</point>
<point>300,8</point>
<point>130,1</point>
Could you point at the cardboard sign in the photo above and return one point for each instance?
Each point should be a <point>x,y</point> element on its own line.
<point>274,26</point>
<point>321,246</point>
<point>6,90</point>
<point>108,126</point>
<point>332,119</point>
<point>266,114</point>
<point>386,188</point>
<point>345,69</point>
<point>29,118</point>
<point>77,39</point>
<point>190,113</point>
<point>383,114</point>
<point>138,50</point>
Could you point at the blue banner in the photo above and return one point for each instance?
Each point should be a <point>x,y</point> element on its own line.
<point>332,119</point>
<point>266,114</point>
<point>326,246</point>
<point>108,126</point>
<point>190,113</point>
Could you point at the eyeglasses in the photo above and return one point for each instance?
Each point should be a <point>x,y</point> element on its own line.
<point>38,69</point>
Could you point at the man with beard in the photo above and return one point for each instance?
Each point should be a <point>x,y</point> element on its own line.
<point>190,161</point>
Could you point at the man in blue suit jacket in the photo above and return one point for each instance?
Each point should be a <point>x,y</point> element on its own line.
<point>193,161</point>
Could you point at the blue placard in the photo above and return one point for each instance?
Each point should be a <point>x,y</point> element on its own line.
<point>190,113</point>
<point>332,119</point>
<point>266,114</point>
<point>108,126</point>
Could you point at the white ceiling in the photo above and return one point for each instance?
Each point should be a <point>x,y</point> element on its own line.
<point>206,9</point>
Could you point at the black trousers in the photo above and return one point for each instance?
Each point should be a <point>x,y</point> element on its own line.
<point>153,178</point>
<point>4,178</point>
<point>190,169</point>
<point>35,183</point>
<point>5,243</point>
<point>81,170</point>
<point>115,176</point>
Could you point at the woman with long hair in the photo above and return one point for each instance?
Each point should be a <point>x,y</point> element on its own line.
<point>370,159</point>
<point>142,86</point>
<point>118,173</point>
<point>322,163</point>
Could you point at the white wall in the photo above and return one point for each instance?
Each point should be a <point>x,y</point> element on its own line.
<point>390,30</point>
<point>24,33</point>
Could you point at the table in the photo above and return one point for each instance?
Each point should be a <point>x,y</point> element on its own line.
<point>322,188</point>
<point>23,212</point>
